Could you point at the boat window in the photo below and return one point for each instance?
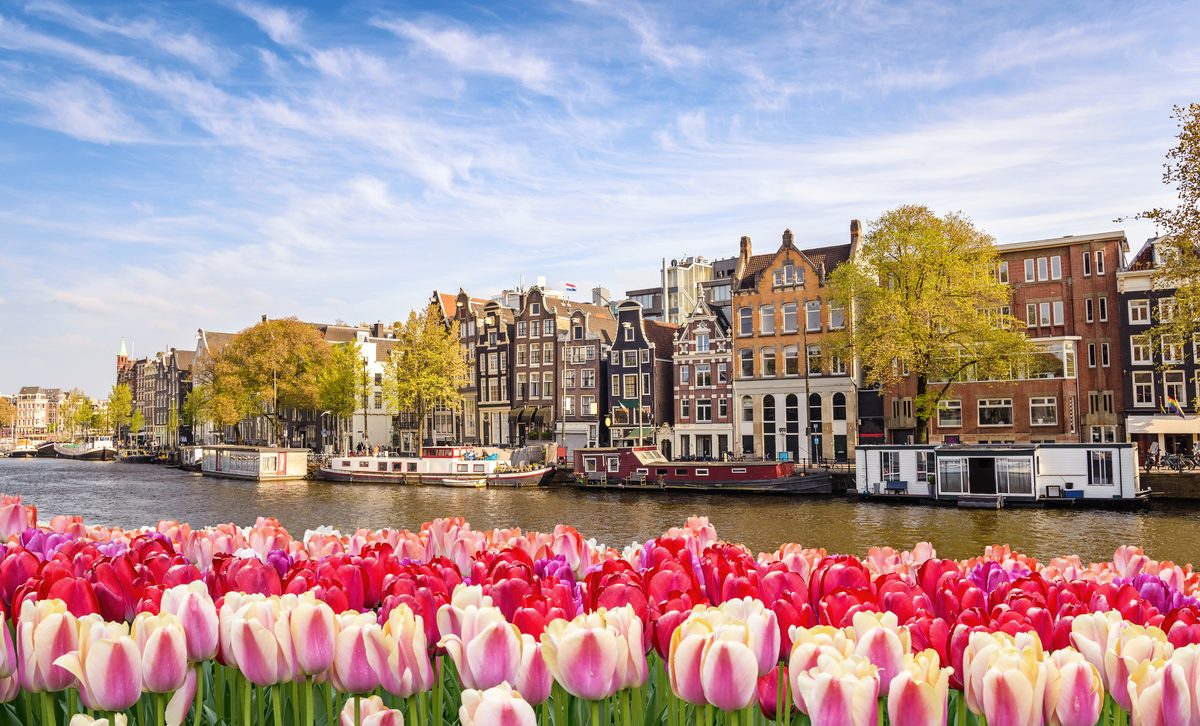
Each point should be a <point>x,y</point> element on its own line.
<point>477,467</point>
<point>383,466</point>
<point>738,470</point>
<point>952,475</point>
<point>1014,475</point>
<point>589,463</point>
<point>397,466</point>
<point>613,463</point>
<point>643,471</point>
<point>364,465</point>
<point>660,472</point>
<point>1100,468</point>
<point>702,472</point>
<point>463,468</point>
<point>412,466</point>
<point>346,463</point>
<point>681,472</point>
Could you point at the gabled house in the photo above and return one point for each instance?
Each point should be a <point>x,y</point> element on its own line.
<point>493,363</point>
<point>641,380</point>
<point>703,361</point>
<point>583,392</point>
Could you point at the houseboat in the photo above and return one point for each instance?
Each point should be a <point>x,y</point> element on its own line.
<point>23,450</point>
<point>647,467</point>
<point>46,450</point>
<point>995,476</point>
<point>260,463</point>
<point>97,449</point>
<point>460,466</point>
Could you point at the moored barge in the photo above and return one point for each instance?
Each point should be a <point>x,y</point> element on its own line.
<point>458,466</point>
<point>646,467</point>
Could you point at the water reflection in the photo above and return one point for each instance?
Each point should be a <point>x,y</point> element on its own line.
<point>131,495</point>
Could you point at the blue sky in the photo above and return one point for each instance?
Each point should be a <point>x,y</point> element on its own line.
<point>175,165</point>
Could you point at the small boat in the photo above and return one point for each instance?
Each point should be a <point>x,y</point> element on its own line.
<point>645,467</point>
<point>464,483</point>
<point>135,457</point>
<point>440,465</point>
<point>98,449</point>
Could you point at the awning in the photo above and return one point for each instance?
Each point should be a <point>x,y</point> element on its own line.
<point>541,415</point>
<point>1164,424</point>
<point>522,414</point>
<point>646,432</point>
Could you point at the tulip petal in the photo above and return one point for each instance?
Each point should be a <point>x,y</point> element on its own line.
<point>729,674</point>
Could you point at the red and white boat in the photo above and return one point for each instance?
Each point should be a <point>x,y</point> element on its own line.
<point>457,466</point>
<point>646,467</point>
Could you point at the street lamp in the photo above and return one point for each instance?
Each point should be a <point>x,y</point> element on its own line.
<point>324,433</point>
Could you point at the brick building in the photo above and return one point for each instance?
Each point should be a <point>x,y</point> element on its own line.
<point>1065,289</point>
<point>791,396</point>
<point>641,379</point>
<point>493,358</point>
<point>583,395</point>
<point>467,311</point>
<point>704,384</point>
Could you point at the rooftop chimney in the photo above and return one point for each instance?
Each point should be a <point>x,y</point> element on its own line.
<point>264,317</point>
<point>855,233</point>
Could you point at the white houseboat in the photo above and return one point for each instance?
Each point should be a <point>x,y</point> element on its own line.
<point>1002,475</point>
<point>440,465</point>
<point>260,463</point>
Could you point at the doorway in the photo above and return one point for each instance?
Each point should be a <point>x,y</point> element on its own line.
<point>981,473</point>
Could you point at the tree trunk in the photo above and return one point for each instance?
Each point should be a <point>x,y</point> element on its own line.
<point>921,434</point>
<point>420,431</point>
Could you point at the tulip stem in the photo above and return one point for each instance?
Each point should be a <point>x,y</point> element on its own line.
<point>277,704</point>
<point>438,691</point>
<point>246,701</point>
<point>308,702</point>
<point>595,720</point>
<point>198,703</point>
<point>357,710</point>
<point>329,707</point>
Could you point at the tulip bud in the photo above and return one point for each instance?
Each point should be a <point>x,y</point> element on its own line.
<point>918,692</point>
<point>585,655</point>
<point>45,631</point>
<point>163,648</point>
<point>359,653</point>
<point>107,665</point>
<point>488,650</point>
<point>498,706</point>
<point>197,615</point>
<point>371,712</point>
<point>840,691</point>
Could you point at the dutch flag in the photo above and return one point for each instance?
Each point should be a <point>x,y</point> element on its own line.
<point>570,286</point>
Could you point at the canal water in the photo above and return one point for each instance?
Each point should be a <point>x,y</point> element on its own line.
<point>139,494</point>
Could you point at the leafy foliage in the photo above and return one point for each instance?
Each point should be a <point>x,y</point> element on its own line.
<point>427,367</point>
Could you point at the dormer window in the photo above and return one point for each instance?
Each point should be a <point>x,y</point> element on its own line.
<point>535,308</point>
<point>628,331</point>
<point>577,332</point>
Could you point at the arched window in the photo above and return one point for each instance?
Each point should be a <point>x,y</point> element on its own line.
<point>814,407</point>
<point>791,407</point>
<point>747,408</point>
<point>839,407</point>
<point>768,427</point>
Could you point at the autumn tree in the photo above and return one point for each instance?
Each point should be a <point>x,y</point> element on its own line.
<point>137,422</point>
<point>343,383</point>
<point>8,415</point>
<point>926,301</point>
<point>426,368</point>
<point>1179,226</point>
<point>120,407</point>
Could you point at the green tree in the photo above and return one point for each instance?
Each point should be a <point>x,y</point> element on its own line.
<point>137,422</point>
<point>925,298</point>
<point>120,407</point>
<point>1179,245</point>
<point>342,382</point>
<point>8,415</point>
<point>84,415</point>
<point>192,412</point>
<point>273,365</point>
<point>173,425</point>
<point>426,368</point>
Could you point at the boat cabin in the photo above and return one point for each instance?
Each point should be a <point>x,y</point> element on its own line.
<point>1014,472</point>
<point>260,463</point>
<point>648,464</point>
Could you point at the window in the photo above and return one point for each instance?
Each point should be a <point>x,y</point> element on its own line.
<point>952,473</point>
<point>685,374</point>
<point>889,465</point>
<point>631,386</point>
<point>949,414</point>
<point>520,328</point>
<point>569,378</point>
<point>535,308</point>
<point>766,320</point>
<point>1104,357</point>
<point>745,321</point>
<point>1058,312</point>
<point>587,405</point>
<point>587,378</point>
<point>704,410</point>
<point>789,317</point>
<point>1087,310</point>
<point>837,317</point>
<point>629,359</point>
<point>1091,355</point>
<point>1102,307</point>
<point>1087,264</point>
<point>768,361</point>
<point>1056,268</point>
<point>839,406</point>
<point>535,386</point>
<point>837,365</point>
<point>722,373</point>
<point>723,408</point>
<point>1139,312</point>
<point>791,361</point>
<point>568,405</point>
<point>702,344</point>
<point>576,332</point>
<point>645,384</point>
<point>1104,434</point>
<point>1143,388</point>
<point>685,409</point>
<point>535,354</point>
<point>1172,349</point>
<point>548,326</point>
<point>1099,262</point>
<point>548,353</point>
<point>616,385</point>
<point>1043,411</point>
<point>746,359</point>
<point>1174,387</point>
<point>1166,309</point>
<point>814,360</point>
<point>628,332</point>
<point>1100,468</point>
<point>1044,308</point>
<point>521,359</point>
<point>378,399</point>
<point>1002,272</point>
<point>521,385</point>
<point>613,463</point>
<point>645,355</point>
<point>812,315</point>
<point>1030,314</point>
<point>1014,475</point>
<point>1029,270</point>
<point>1043,269</point>
<point>995,411</point>
<point>747,409</point>
<point>1139,350</point>
<point>704,375</point>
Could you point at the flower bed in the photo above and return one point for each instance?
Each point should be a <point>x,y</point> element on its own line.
<point>229,625</point>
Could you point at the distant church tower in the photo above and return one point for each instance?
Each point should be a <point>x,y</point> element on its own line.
<point>122,360</point>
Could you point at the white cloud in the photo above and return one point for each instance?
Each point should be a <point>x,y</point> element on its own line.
<point>80,109</point>
<point>667,54</point>
<point>281,25</point>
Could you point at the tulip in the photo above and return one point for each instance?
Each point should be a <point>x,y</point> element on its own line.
<point>1158,694</point>
<point>534,681</point>
<point>450,616</point>
<point>197,615</point>
<point>8,651</point>
<point>1090,633</point>
<point>1128,646</point>
<point>177,707</point>
<point>488,650</point>
<point>106,665</point>
<point>626,622</point>
<point>1013,688</point>
<point>498,706</point>
<point>371,712</point>
<point>163,647</point>
<point>45,631</point>
<point>762,630</point>
<point>359,653</point>
<point>807,646</point>
<point>840,691</point>
<point>918,692</point>
<point>82,719</point>
<point>715,658</point>
<point>880,639</point>
<point>729,668</point>
<point>406,668</point>
<point>585,655</point>
<point>10,686</point>
<point>260,642</point>
<point>313,630</point>
<point>1074,690</point>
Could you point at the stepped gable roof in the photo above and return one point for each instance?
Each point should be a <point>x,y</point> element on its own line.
<point>661,334</point>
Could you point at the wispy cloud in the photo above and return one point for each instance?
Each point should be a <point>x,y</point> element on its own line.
<point>285,27</point>
<point>80,109</point>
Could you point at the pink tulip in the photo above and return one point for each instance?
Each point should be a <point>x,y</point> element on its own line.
<point>313,628</point>
<point>1128,646</point>
<point>197,615</point>
<point>45,631</point>
<point>498,706</point>
<point>918,692</point>
<point>880,639</point>
<point>107,665</point>
<point>181,700</point>
<point>406,669</point>
<point>840,691</point>
<point>450,616</point>
<point>534,681</point>
<point>488,651</point>
<point>627,623</point>
<point>1074,690</point>
<point>714,658</point>
<point>163,649</point>
<point>1090,632</point>
<point>1158,694</point>
<point>8,651</point>
<point>807,646</point>
<point>686,656</point>
<point>261,643</point>
<point>729,669</point>
<point>10,686</point>
<point>585,655</point>
<point>15,517</point>
<point>1014,688</point>
<point>359,653</point>
<point>82,719</point>
<point>371,712</point>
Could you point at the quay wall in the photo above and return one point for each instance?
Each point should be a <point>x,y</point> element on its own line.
<point>1171,485</point>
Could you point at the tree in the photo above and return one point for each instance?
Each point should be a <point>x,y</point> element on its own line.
<point>137,422</point>
<point>341,382</point>
<point>173,424</point>
<point>925,299</point>
<point>426,368</point>
<point>1179,245</point>
<point>8,415</point>
<point>273,365</point>
<point>120,407</point>
<point>192,412</point>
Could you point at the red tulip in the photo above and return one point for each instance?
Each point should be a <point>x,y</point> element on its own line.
<point>16,568</point>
